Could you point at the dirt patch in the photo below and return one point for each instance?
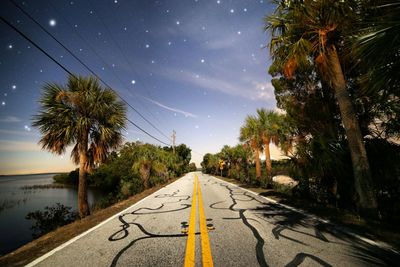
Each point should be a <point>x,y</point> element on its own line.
<point>47,242</point>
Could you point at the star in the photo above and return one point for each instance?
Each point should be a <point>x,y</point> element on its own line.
<point>178,22</point>
<point>14,87</point>
<point>3,103</point>
<point>147,45</point>
<point>133,81</point>
<point>239,32</point>
<point>245,9</point>
<point>232,10</point>
<point>26,127</point>
<point>169,43</point>
<point>218,2</point>
<point>202,60</point>
<point>52,22</point>
<point>10,46</point>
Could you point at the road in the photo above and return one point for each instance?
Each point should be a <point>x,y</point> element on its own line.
<point>244,230</point>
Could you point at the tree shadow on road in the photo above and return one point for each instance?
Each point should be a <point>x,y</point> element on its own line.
<point>286,220</point>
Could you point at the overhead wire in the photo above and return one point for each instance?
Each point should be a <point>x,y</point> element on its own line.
<point>85,65</point>
<point>124,55</point>
<point>70,73</point>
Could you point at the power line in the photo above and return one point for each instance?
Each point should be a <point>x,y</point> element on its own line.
<point>124,55</point>
<point>70,73</point>
<point>32,42</point>
<point>85,65</point>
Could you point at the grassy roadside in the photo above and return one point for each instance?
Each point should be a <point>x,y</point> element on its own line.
<point>374,230</point>
<point>49,241</point>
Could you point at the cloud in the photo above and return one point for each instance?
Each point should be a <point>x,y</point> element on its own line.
<point>9,119</point>
<point>10,146</point>
<point>244,87</point>
<point>227,41</point>
<point>19,133</point>
<point>264,91</point>
<point>187,114</point>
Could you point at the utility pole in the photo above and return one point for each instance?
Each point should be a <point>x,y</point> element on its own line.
<point>173,140</point>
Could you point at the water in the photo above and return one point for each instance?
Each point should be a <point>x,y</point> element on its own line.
<point>16,203</point>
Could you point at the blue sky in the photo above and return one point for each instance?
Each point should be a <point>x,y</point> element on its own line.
<point>196,67</point>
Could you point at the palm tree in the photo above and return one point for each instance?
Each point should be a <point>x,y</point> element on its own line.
<point>269,129</point>
<point>311,32</point>
<point>250,134</point>
<point>379,45</point>
<point>85,115</point>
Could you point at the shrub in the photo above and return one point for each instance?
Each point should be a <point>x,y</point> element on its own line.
<point>51,218</point>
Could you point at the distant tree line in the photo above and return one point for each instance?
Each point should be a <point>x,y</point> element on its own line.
<point>133,168</point>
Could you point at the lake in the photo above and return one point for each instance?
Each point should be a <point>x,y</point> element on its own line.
<point>16,203</point>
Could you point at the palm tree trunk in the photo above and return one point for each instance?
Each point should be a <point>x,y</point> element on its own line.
<point>83,205</point>
<point>268,164</point>
<point>258,166</point>
<point>238,170</point>
<point>365,196</point>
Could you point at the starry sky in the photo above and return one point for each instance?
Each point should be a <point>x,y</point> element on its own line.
<point>197,67</point>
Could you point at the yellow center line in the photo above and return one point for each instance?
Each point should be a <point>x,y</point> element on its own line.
<point>190,243</point>
<point>205,242</point>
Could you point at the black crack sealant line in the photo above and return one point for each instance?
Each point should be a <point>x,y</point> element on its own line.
<point>123,232</point>
<point>291,219</point>
<point>260,241</point>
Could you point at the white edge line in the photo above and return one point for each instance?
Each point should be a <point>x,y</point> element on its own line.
<point>367,240</point>
<point>51,252</point>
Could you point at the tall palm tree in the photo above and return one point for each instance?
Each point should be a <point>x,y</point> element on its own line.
<point>85,115</point>
<point>269,129</point>
<point>250,134</point>
<point>305,32</point>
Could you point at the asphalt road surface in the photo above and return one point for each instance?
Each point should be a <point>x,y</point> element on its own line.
<point>243,229</point>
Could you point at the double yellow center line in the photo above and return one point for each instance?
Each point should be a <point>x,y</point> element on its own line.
<point>191,240</point>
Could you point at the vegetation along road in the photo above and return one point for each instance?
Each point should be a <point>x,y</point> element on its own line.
<point>200,220</point>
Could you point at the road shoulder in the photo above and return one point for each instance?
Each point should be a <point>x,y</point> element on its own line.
<point>46,243</point>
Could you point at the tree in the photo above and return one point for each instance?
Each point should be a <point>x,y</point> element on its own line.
<point>377,45</point>
<point>250,134</point>
<point>85,115</point>
<point>270,124</point>
<point>312,32</point>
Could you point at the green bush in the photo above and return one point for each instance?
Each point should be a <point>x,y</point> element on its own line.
<point>51,218</point>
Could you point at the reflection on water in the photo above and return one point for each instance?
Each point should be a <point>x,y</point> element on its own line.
<point>16,203</point>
